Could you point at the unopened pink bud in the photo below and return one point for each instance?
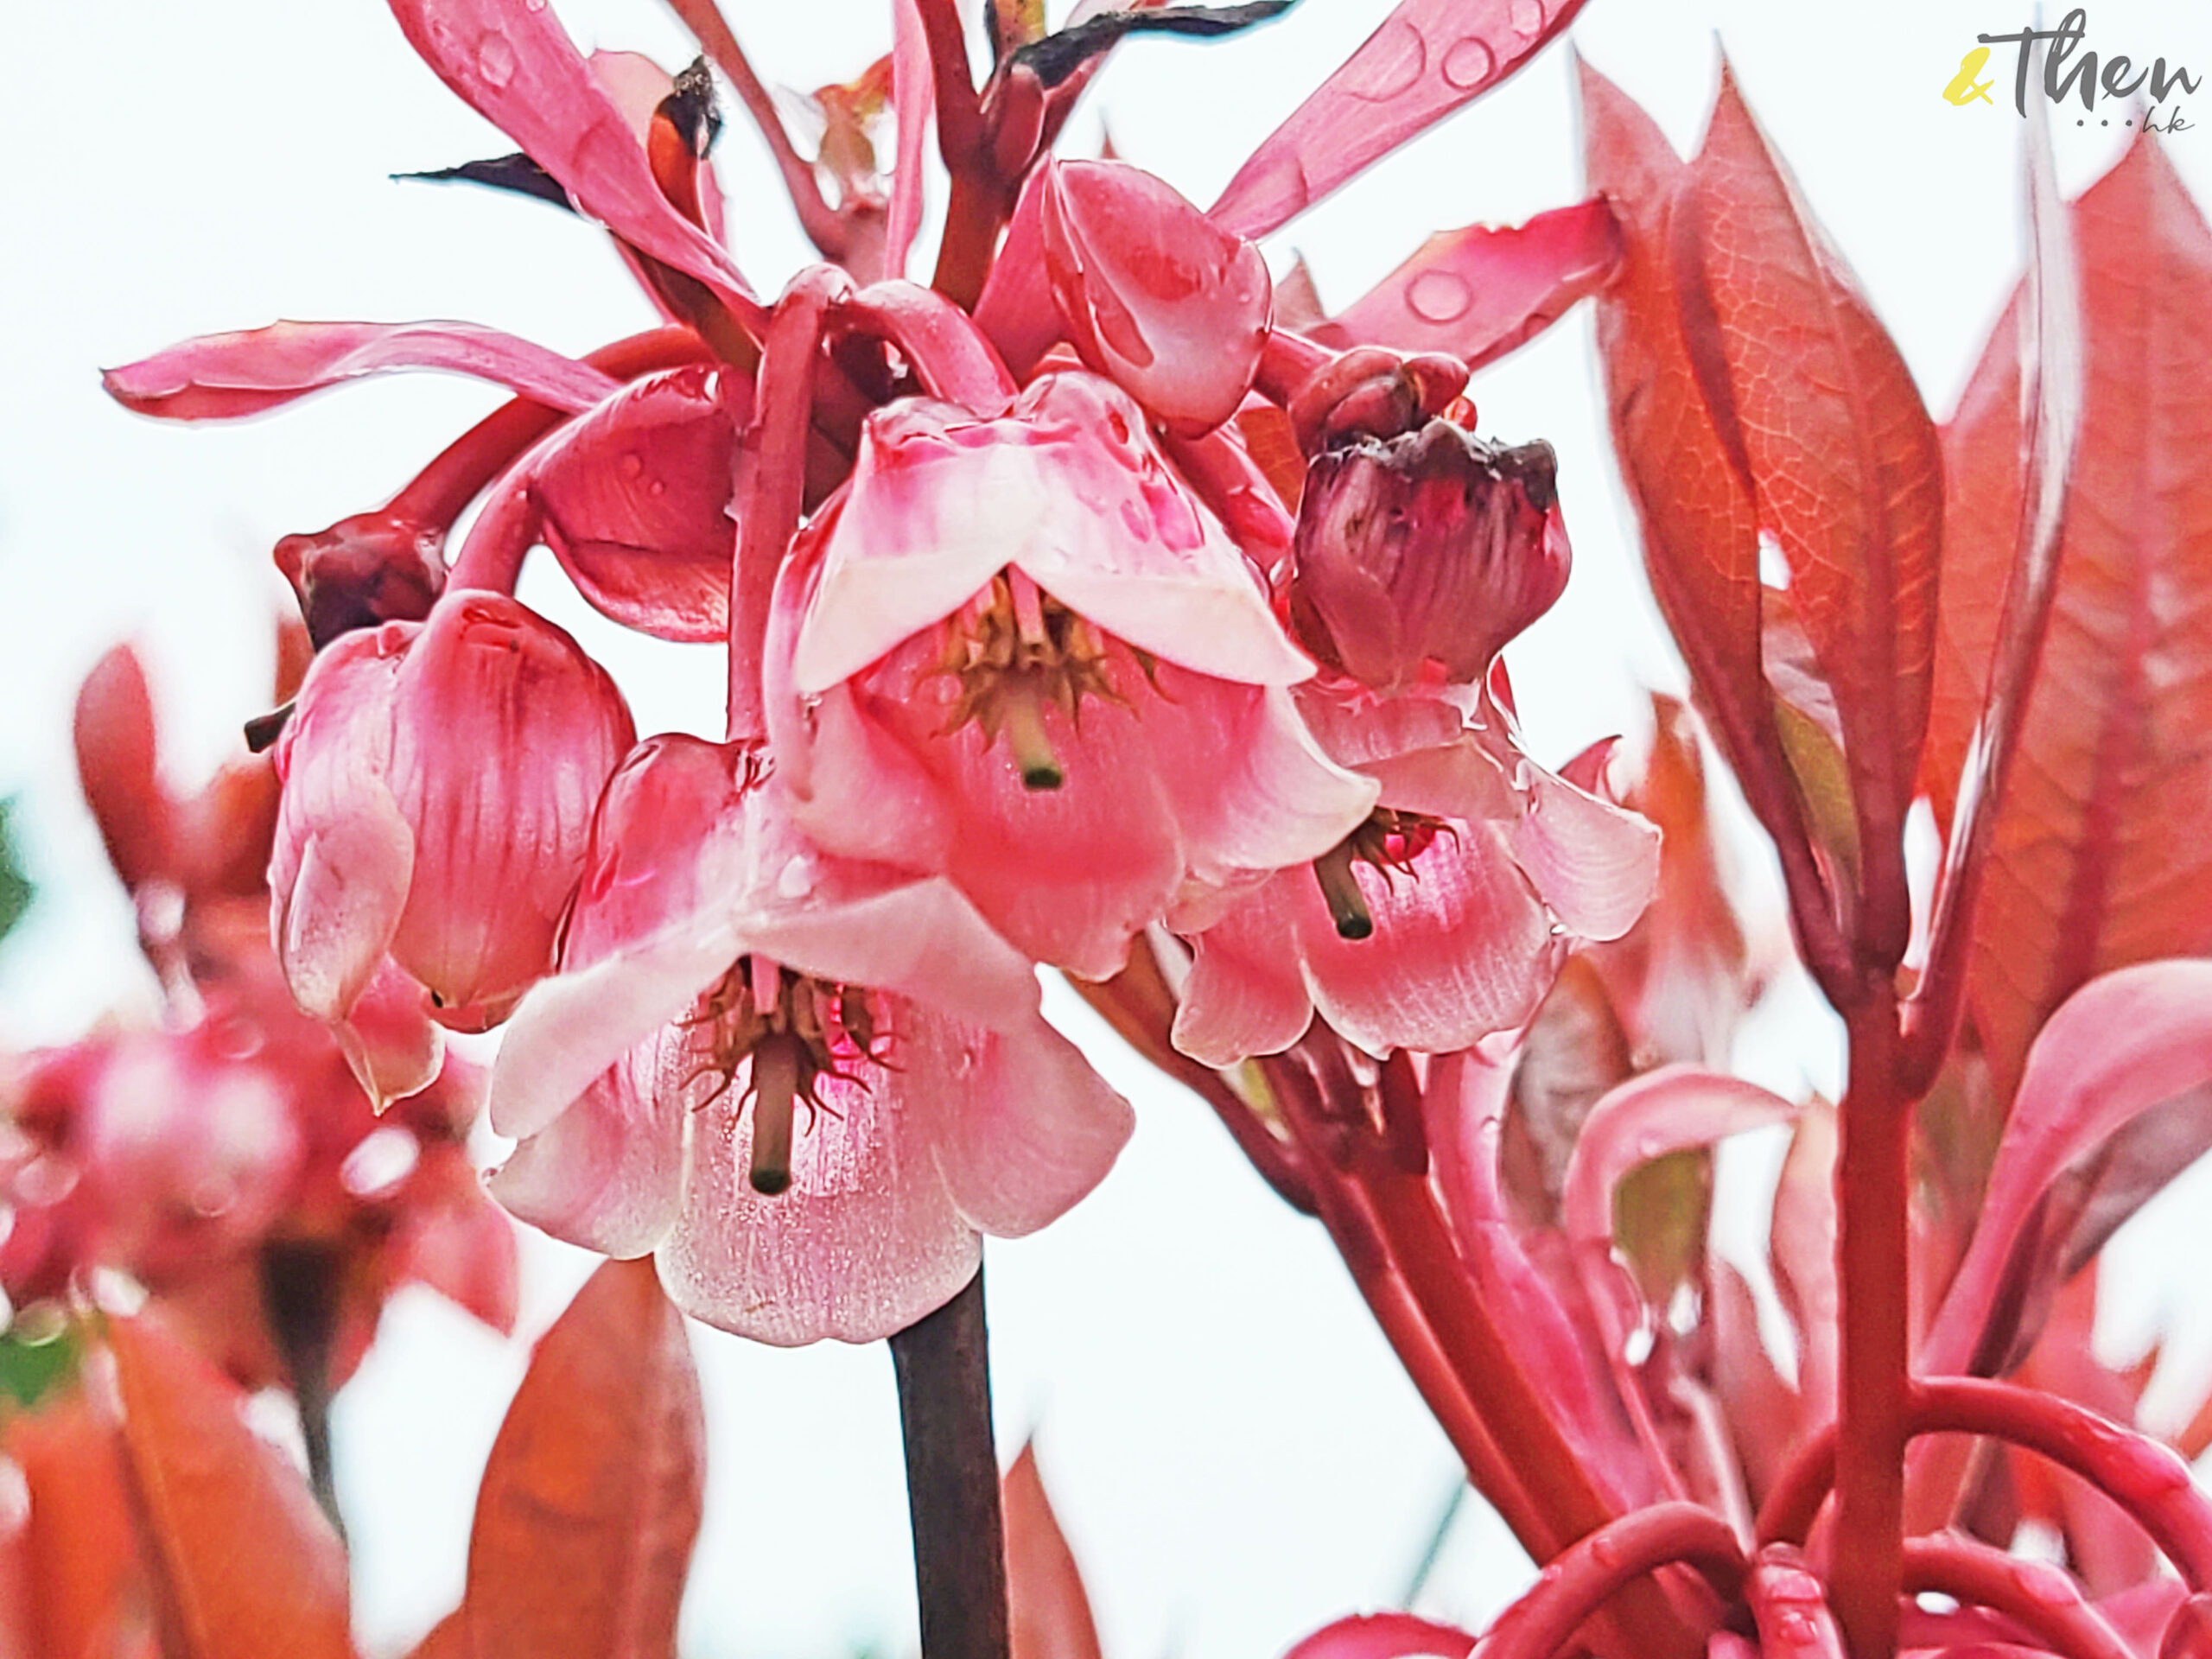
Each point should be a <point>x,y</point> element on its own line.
<point>1422,554</point>
<point>369,568</point>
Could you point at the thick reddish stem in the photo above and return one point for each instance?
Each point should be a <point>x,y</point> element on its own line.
<point>948,352</point>
<point>2040,1599</point>
<point>772,480</point>
<point>2148,1480</point>
<point>1872,1183</point>
<point>1579,1583</point>
<point>440,492</point>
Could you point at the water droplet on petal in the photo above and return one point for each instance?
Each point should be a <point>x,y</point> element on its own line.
<point>796,879</point>
<point>658,486</point>
<point>495,59</point>
<point>1469,64</point>
<point>1528,17</point>
<point>632,465</point>
<point>1438,297</point>
<point>1389,64</point>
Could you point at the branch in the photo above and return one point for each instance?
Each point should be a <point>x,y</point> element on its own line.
<point>1579,1583</point>
<point>952,1479</point>
<point>2041,1599</point>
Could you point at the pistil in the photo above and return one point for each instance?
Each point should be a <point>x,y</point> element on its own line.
<point>1027,740</point>
<point>776,1063</point>
<point>1347,905</point>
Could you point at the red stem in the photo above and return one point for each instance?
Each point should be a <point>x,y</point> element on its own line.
<point>948,352</point>
<point>823,227</point>
<point>1582,1580</point>
<point>1872,1183</point>
<point>2148,1480</point>
<point>772,480</point>
<point>2041,1599</point>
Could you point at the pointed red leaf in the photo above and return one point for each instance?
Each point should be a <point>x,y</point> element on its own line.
<point>222,376</point>
<point>1820,409</point>
<point>244,1564</point>
<point>2122,1045</point>
<point>2098,859</point>
<point>1050,1611</point>
<point>591,1501</point>
<point>1700,533</point>
<point>1479,293</point>
<point>1428,59</point>
<point>77,1549</point>
<point>118,763</point>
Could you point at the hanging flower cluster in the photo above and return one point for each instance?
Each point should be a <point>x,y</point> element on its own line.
<point>1032,648</point>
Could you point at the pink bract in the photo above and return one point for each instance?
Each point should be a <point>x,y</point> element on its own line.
<point>439,783</point>
<point>1167,752</point>
<point>948,1108</point>
<point>1504,867</point>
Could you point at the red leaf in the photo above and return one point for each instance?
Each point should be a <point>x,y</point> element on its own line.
<point>1819,410</point>
<point>1050,1611</point>
<point>1480,292</point>
<point>590,1503</point>
<point>1700,533</point>
<point>2098,859</point>
<point>244,1564</point>
<point>76,1547</point>
<point>2123,1044</point>
<point>221,377</point>
<point>1428,59</point>
<point>117,762</point>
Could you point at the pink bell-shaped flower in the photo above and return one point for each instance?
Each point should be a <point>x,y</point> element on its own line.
<point>1020,653</point>
<point>439,781</point>
<point>1442,919</point>
<point>1421,556</point>
<point>1155,294</point>
<point>807,1082</point>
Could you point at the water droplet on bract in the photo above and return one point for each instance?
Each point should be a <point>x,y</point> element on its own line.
<point>214,1197</point>
<point>658,486</point>
<point>1469,64</point>
<point>1389,64</point>
<point>1438,297</point>
<point>1797,1629</point>
<point>797,878</point>
<point>632,464</point>
<point>1605,1553</point>
<point>495,59</point>
<point>1528,17</point>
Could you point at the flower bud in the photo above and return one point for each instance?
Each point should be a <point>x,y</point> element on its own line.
<point>504,735</point>
<point>1423,553</point>
<point>369,568</point>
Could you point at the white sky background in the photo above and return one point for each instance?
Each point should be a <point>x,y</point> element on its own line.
<point>1233,1449</point>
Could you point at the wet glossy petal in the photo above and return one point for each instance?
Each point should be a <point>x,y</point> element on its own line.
<point>635,501</point>
<point>344,855</point>
<point>1154,294</point>
<point>504,735</point>
<point>1028,1128</point>
<point>221,377</point>
<point>864,1241</point>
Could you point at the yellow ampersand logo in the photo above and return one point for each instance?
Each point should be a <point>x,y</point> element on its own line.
<point>1964,88</point>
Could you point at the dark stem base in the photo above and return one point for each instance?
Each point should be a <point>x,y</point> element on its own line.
<point>952,1480</point>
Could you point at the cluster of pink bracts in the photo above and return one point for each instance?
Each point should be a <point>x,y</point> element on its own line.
<point>1105,605</point>
<point>1050,661</point>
